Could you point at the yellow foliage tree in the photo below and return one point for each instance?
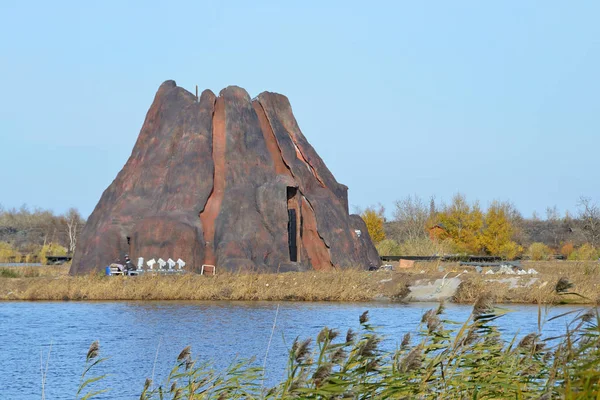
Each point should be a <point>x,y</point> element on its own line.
<point>539,251</point>
<point>496,237</point>
<point>8,253</point>
<point>374,221</point>
<point>586,252</point>
<point>462,225</point>
<point>52,249</point>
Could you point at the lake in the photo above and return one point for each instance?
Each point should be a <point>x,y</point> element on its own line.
<point>134,334</point>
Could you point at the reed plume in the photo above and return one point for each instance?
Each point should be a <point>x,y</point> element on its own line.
<point>93,350</point>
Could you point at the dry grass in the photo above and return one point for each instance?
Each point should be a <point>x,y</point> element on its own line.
<point>348,285</point>
<point>54,283</point>
<point>537,289</point>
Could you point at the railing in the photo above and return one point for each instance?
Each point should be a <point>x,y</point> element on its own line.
<point>460,257</point>
<point>447,258</point>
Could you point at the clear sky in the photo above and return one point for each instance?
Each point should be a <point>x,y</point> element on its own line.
<point>496,100</point>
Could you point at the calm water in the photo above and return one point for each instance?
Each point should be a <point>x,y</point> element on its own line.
<point>131,332</point>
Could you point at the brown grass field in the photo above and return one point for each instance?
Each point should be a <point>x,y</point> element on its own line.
<point>54,283</point>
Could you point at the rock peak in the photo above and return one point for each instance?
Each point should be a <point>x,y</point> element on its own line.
<point>230,182</point>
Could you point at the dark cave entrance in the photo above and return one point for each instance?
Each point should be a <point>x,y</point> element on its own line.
<point>292,207</point>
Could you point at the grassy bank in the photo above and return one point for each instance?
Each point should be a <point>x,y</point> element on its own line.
<point>350,285</point>
<point>536,289</point>
<point>53,283</point>
<point>442,360</point>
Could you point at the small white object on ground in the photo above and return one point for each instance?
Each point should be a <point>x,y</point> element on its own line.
<point>171,263</point>
<point>150,263</point>
<point>514,283</point>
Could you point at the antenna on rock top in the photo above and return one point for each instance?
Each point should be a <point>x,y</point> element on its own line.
<point>196,93</point>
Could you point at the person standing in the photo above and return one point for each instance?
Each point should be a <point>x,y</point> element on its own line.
<point>128,264</point>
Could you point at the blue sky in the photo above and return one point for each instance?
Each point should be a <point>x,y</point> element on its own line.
<point>496,100</point>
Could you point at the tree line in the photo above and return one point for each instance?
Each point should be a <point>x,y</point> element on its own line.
<point>30,235</point>
<point>422,227</point>
<point>418,227</point>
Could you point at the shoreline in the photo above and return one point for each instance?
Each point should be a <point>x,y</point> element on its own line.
<point>53,283</point>
<point>366,302</point>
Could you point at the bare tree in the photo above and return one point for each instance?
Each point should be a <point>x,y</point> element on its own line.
<point>411,216</point>
<point>29,230</point>
<point>25,228</point>
<point>432,208</point>
<point>552,214</point>
<point>73,224</point>
<point>589,216</point>
<point>553,227</point>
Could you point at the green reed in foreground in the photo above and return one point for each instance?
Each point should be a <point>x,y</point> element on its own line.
<point>442,360</point>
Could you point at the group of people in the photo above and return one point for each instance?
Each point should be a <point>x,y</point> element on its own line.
<point>124,268</point>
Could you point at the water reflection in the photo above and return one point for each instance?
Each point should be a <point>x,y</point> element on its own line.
<point>134,334</point>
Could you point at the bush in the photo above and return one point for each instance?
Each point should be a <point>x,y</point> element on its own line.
<point>510,250</point>
<point>567,249</point>
<point>586,252</point>
<point>425,247</point>
<point>51,249</point>
<point>539,252</point>
<point>388,247</point>
<point>9,253</point>
<point>32,257</point>
<point>8,273</point>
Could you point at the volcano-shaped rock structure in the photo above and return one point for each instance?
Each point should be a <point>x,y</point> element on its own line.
<point>227,181</point>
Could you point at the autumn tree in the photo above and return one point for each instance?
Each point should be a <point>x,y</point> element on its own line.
<point>8,253</point>
<point>586,252</point>
<point>51,249</point>
<point>498,231</point>
<point>374,219</point>
<point>539,252</point>
<point>567,249</point>
<point>462,224</point>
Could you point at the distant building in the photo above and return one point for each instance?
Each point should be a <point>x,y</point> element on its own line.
<point>436,231</point>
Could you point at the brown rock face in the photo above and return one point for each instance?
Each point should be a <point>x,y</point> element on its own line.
<point>227,181</point>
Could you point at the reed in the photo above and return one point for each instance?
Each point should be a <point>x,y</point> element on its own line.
<point>442,360</point>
